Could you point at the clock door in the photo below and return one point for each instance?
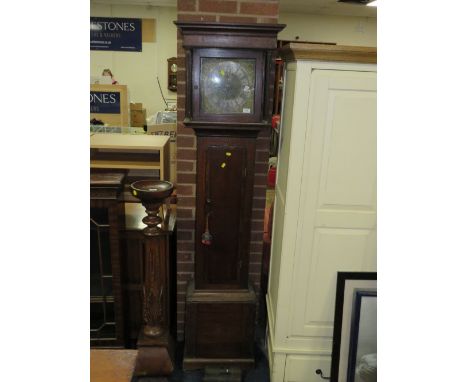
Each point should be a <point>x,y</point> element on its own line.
<point>228,85</point>
<point>225,183</point>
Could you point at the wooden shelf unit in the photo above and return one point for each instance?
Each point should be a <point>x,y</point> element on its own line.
<point>132,152</point>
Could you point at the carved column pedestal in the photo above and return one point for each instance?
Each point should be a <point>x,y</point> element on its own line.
<point>155,344</point>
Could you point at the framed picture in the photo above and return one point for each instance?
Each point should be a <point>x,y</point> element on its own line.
<point>354,355</point>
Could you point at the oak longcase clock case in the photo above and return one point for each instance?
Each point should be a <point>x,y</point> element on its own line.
<point>230,72</point>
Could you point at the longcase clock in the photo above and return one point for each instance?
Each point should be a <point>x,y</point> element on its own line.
<point>228,102</point>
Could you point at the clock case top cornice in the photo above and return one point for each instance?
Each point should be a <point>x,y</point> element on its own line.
<point>219,35</point>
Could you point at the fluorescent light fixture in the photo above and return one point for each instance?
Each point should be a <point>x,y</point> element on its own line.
<point>372,3</point>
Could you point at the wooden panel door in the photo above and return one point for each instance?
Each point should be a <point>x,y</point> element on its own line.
<point>224,200</point>
<point>336,228</point>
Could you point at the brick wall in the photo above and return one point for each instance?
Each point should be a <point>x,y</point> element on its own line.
<point>258,11</point>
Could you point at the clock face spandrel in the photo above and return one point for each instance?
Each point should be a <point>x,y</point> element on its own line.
<point>227,86</point>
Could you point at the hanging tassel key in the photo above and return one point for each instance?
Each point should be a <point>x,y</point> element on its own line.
<point>207,237</point>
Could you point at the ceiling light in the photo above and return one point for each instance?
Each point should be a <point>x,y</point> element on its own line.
<point>372,3</point>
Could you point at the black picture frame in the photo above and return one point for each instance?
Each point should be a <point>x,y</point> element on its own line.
<point>351,288</point>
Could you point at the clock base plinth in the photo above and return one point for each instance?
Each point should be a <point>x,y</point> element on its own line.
<point>155,355</point>
<point>219,328</point>
<point>200,363</point>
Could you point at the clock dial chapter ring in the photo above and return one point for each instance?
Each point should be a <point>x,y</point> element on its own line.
<point>227,86</point>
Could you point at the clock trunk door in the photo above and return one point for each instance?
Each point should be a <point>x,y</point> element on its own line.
<point>224,194</point>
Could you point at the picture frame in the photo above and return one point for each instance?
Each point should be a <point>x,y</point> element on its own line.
<point>354,353</point>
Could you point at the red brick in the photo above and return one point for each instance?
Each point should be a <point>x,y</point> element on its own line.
<point>186,201</point>
<point>258,203</point>
<point>255,268</point>
<point>185,246</point>
<point>261,168</point>
<point>185,190</point>
<point>180,88</point>
<point>180,50</point>
<point>259,191</point>
<point>257,225</point>
<point>258,213</point>
<point>260,179</point>
<point>181,62</point>
<point>180,114</point>
<point>184,130</point>
<point>256,246</point>
<point>185,166</point>
<point>217,6</point>
<point>188,17</point>
<point>237,19</point>
<point>184,276</point>
<point>186,5</point>
<point>186,224</point>
<point>185,141</point>
<point>184,256</point>
<point>267,20</point>
<point>256,257</point>
<point>186,178</point>
<point>181,73</point>
<point>263,9</point>
<point>184,267</point>
<point>256,236</point>
<point>184,154</point>
<point>183,213</point>
<point>263,143</point>
<point>181,100</point>
<point>262,155</point>
<point>184,235</point>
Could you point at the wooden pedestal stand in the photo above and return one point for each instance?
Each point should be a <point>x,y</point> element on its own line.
<point>155,344</point>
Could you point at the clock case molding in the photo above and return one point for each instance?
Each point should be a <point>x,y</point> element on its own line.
<point>221,303</point>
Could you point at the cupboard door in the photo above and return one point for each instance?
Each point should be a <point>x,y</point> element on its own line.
<point>225,168</point>
<point>336,226</point>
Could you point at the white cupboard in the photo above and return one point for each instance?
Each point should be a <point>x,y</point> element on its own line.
<point>325,201</point>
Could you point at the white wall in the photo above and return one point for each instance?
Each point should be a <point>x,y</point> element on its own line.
<point>343,30</point>
<point>138,70</point>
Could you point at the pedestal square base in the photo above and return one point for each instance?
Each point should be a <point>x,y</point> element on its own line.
<point>155,355</point>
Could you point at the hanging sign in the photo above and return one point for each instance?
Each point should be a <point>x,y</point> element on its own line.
<point>105,102</point>
<point>115,34</point>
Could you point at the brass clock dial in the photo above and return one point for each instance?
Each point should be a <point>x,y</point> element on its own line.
<point>227,86</point>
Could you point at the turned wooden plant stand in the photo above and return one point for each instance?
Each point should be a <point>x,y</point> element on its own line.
<point>155,344</point>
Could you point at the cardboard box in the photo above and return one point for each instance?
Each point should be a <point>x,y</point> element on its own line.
<point>138,117</point>
<point>136,106</point>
